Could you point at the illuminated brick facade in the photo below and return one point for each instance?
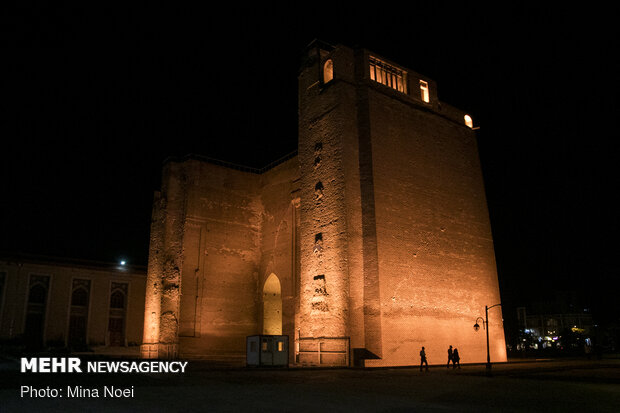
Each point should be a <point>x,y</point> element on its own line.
<point>370,243</point>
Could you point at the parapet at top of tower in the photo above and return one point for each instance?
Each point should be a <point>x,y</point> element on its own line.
<point>342,63</point>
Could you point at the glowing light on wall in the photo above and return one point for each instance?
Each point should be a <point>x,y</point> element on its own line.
<point>468,121</point>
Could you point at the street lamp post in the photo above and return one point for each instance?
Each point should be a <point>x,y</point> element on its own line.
<point>477,327</point>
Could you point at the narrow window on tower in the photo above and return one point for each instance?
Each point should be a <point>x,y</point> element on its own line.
<point>318,243</point>
<point>318,302</point>
<point>318,191</point>
<point>424,91</point>
<point>318,147</point>
<point>319,285</point>
<point>388,75</point>
<point>317,161</point>
<point>328,71</point>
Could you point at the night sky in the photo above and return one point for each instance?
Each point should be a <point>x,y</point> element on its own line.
<point>95,99</point>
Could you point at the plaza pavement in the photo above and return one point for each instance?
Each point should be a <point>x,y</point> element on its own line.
<point>576,385</point>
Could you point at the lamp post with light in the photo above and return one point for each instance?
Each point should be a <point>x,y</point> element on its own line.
<point>477,327</point>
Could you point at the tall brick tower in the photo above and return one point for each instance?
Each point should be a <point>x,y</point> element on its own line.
<point>163,295</point>
<point>371,243</point>
<point>395,241</point>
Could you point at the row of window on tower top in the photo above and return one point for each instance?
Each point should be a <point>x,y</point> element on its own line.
<point>396,78</point>
<point>390,76</point>
<point>383,73</point>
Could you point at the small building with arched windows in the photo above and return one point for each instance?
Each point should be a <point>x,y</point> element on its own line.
<point>50,302</point>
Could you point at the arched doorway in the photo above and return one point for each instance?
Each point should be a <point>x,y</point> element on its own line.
<point>118,308</point>
<point>272,306</point>
<point>78,313</point>
<point>35,311</point>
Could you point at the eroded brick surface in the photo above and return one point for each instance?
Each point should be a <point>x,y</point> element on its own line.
<point>377,231</point>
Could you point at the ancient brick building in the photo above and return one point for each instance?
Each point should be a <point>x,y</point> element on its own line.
<point>371,242</point>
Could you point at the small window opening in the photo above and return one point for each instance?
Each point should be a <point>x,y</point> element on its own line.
<point>319,302</point>
<point>318,191</point>
<point>328,71</point>
<point>320,288</point>
<point>424,91</point>
<point>317,161</point>
<point>318,243</point>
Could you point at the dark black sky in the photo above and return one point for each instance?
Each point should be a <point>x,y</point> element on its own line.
<point>94,99</point>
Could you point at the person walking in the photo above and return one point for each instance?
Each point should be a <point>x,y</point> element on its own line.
<point>456,359</point>
<point>423,359</point>
<point>449,356</point>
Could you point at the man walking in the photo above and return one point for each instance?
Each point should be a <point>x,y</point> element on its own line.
<point>449,356</point>
<point>423,359</point>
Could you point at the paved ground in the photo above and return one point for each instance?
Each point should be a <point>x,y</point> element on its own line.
<point>567,385</point>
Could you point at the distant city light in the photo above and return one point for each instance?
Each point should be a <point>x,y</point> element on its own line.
<point>123,262</point>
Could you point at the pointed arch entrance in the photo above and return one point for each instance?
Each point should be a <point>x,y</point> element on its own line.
<point>272,306</point>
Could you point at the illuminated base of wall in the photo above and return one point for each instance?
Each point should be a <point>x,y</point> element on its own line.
<point>323,351</point>
<point>404,338</point>
<point>159,351</point>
